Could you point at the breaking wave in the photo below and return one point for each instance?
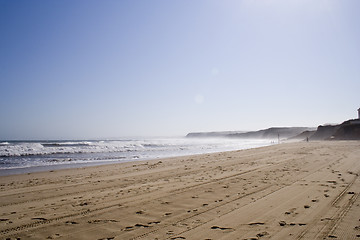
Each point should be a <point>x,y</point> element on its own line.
<point>23,154</point>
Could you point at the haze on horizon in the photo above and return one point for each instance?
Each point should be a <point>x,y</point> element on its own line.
<point>99,69</point>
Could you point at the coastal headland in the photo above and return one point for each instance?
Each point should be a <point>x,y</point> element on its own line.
<point>302,190</point>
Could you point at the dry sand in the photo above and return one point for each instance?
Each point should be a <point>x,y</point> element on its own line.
<point>287,191</point>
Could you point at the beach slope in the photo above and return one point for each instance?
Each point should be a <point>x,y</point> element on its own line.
<point>307,190</point>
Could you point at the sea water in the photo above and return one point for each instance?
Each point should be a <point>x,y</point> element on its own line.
<point>29,156</point>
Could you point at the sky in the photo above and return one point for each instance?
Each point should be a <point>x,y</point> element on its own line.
<point>85,69</point>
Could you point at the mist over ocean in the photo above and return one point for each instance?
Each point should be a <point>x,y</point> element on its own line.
<point>27,156</point>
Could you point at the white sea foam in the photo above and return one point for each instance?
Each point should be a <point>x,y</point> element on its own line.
<point>47,153</point>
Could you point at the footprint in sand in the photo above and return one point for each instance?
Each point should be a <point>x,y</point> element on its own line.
<point>71,222</point>
<point>141,225</point>
<point>256,223</point>
<point>155,222</point>
<point>39,218</point>
<point>194,210</point>
<point>291,211</point>
<point>102,221</point>
<point>282,223</point>
<point>221,228</point>
<point>130,228</point>
<point>56,235</point>
<point>262,234</point>
<point>140,212</point>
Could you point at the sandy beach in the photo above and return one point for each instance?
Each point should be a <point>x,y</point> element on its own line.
<point>304,190</point>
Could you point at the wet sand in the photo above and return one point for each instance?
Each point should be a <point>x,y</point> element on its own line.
<point>286,191</point>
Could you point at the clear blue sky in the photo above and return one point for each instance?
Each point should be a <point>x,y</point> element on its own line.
<point>98,69</point>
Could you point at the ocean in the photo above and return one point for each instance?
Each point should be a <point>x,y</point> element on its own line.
<point>30,156</point>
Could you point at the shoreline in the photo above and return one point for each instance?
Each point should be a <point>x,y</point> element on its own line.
<point>278,191</point>
<point>53,167</point>
<point>60,167</point>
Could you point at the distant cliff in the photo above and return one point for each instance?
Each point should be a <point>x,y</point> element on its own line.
<point>324,132</point>
<point>348,130</point>
<point>304,135</point>
<point>270,133</point>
